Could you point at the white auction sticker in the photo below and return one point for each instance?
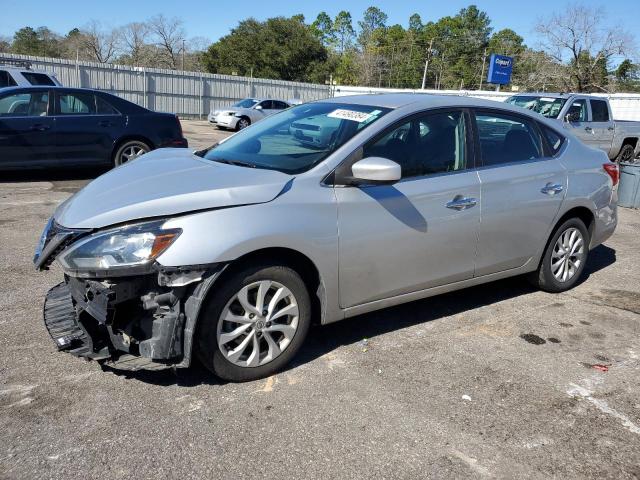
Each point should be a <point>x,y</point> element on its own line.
<point>350,115</point>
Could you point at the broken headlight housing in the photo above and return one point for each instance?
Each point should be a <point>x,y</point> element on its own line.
<point>128,250</point>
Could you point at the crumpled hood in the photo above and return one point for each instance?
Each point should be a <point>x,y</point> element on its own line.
<point>166,182</point>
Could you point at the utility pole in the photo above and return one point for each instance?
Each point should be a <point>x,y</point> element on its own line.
<point>183,54</point>
<point>426,64</point>
<point>484,59</point>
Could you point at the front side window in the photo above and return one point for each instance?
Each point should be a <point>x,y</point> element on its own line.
<point>38,79</point>
<point>296,139</point>
<point>505,138</point>
<point>24,105</point>
<point>425,145</point>
<point>578,111</point>
<point>599,110</point>
<point>6,80</point>
<point>76,104</point>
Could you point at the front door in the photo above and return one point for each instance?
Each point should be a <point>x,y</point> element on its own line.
<point>602,124</point>
<point>579,122</point>
<point>420,232</point>
<point>26,129</point>
<point>521,190</point>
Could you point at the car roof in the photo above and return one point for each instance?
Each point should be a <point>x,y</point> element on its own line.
<point>50,87</point>
<point>544,94</point>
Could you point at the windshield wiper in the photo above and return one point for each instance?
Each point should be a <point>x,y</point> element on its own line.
<point>237,163</point>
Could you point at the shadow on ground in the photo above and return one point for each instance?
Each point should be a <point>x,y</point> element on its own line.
<point>324,339</point>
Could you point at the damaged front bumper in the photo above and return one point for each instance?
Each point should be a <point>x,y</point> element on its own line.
<point>130,323</point>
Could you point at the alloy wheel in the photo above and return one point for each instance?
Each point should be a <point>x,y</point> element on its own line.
<point>243,123</point>
<point>257,324</point>
<point>568,254</point>
<point>131,153</point>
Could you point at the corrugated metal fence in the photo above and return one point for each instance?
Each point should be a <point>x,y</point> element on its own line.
<point>190,94</point>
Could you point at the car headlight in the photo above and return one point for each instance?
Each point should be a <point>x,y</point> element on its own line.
<point>131,247</point>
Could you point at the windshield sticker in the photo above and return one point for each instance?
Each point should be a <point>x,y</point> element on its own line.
<point>350,115</point>
<point>547,99</point>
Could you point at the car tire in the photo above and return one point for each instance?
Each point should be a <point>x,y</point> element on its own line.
<point>243,123</point>
<point>626,154</point>
<point>216,345</point>
<point>128,151</point>
<point>559,269</point>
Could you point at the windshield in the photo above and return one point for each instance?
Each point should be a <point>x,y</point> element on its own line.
<point>246,103</point>
<point>296,139</point>
<point>548,106</point>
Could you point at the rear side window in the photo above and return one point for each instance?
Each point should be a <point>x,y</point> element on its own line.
<point>76,104</point>
<point>38,79</point>
<point>24,105</point>
<point>553,138</point>
<point>104,108</point>
<point>280,105</point>
<point>505,138</point>
<point>599,110</point>
<point>6,80</point>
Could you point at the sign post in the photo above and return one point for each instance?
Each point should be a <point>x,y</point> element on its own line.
<point>500,68</point>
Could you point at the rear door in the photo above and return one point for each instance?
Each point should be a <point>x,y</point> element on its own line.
<point>26,129</point>
<point>83,137</point>
<point>602,123</point>
<point>522,188</point>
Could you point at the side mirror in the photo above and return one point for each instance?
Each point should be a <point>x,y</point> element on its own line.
<point>572,117</point>
<point>376,170</point>
<point>258,107</point>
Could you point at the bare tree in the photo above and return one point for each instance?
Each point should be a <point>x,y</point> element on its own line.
<point>101,45</point>
<point>579,39</point>
<point>133,37</point>
<point>169,37</point>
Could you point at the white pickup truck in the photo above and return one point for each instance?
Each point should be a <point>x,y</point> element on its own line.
<point>589,118</point>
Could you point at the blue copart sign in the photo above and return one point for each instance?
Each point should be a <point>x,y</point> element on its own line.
<point>500,68</point>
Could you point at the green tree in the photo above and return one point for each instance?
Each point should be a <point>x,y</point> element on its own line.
<point>372,20</point>
<point>322,28</point>
<point>280,47</point>
<point>26,42</point>
<point>415,23</point>
<point>344,31</point>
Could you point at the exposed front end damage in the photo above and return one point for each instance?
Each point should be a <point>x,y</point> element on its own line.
<point>130,323</point>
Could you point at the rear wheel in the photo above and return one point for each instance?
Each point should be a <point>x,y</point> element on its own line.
<point>564,259</point>
<point>129,151</point>
<point>255,323</point>
<point>626,154</point>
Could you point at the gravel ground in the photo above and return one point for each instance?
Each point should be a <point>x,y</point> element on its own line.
<point>445,387</point>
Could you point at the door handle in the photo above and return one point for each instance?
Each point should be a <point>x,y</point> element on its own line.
<point>552,188</point>
<point>610,129</point>
<point>588,129</point>
<point>40,127</point>
<point>461,203</point>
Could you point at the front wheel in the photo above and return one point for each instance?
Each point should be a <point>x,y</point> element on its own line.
<point>255,323</point>
<point>243,123</point>
<point>129,151</point>
<point>564,258</point>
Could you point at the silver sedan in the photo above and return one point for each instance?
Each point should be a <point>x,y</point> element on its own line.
<point>322,212</point>
<point>246,112</point>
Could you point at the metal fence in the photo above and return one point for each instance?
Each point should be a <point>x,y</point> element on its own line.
<point>624,106</point>
<point>189,94</point>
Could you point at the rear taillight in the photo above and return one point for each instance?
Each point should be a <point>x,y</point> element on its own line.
<point>613,171</point>
<point>179,126</point>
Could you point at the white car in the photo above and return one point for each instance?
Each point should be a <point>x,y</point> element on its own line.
<point>246,112</point>
<point>20,74</point>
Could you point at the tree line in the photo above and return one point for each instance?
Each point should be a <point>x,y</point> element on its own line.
<point>577,51</point>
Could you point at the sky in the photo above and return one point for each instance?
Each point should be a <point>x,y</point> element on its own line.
<point>212,19</point>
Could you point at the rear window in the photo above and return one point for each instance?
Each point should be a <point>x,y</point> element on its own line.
<point>599,111</point>
<point>38,79</point>
<point>6,80</point>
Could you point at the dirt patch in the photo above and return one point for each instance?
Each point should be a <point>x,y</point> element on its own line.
<point>533,339</point>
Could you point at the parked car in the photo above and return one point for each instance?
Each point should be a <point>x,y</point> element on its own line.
<point>19,74</point>
<point>232,253</point>
<point>590,119</point>
<point>58,126</point>
<point>246,112</point>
